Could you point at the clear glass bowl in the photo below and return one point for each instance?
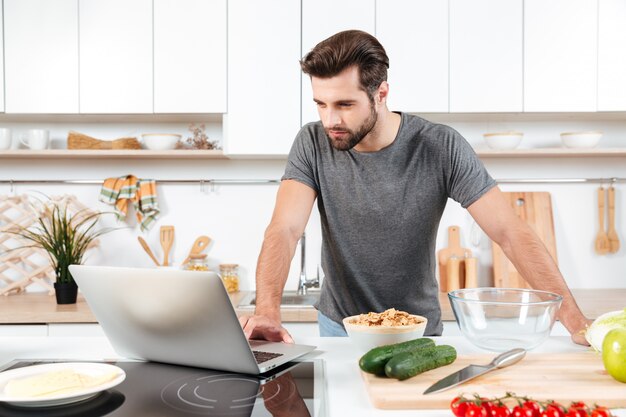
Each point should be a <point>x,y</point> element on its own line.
<point>499,319</point>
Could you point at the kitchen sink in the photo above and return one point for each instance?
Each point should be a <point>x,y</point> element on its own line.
<point>290,299</point>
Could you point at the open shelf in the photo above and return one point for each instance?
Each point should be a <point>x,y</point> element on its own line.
<point>552,153</point>
<point>113,154</point>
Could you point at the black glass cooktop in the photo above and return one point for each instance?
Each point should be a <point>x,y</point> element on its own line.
<point>154,389</point>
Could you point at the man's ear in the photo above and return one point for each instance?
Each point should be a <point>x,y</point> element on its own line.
<point>382,93</point>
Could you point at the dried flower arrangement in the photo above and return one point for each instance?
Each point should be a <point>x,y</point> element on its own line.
<point>198,140</point>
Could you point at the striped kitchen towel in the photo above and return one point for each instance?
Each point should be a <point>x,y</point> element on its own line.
<point>142,193</point>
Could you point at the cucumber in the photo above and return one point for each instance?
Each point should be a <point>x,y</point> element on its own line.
<point>408,364</point>
<point>375,360</point>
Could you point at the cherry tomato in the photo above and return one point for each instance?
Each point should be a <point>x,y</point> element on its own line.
<point>500,411</point>
<point>557,409</point>
<point>474,410</point>
<point>533,406</point>
<point>578,404</point>
<point>458,407</point>
<point>601,412</point>
<point>576,412</point>
<point>521,411</point>
<point>486,405</point>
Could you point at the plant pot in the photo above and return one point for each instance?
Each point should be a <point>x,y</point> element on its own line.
<point>66,292</point>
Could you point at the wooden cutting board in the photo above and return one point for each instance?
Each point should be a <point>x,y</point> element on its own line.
<point>453,249</point>
<point>535,208</point>
<point>563,377</point>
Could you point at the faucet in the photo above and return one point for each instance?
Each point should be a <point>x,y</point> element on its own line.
<point>303,282</point>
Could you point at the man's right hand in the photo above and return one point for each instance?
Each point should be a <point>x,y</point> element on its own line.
<point>264,328</point>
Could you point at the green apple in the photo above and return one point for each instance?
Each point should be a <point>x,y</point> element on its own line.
<point>614,353</point>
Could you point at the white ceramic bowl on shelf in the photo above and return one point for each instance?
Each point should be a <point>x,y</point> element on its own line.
<point>503,140</point>
<point>581,139</point>
<point>369,337</point>
<point>160,141</point>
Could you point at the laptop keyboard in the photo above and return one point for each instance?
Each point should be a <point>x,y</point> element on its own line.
<point>265,356</point>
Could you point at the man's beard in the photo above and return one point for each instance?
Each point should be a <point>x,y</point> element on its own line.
<point>353,137</point>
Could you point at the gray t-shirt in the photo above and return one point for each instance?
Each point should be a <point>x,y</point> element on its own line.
<point>380,212</point>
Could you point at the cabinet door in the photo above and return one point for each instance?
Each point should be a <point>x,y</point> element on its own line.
<point>560,55</point>
<point>414,34</point>
<point>612,55</point>
<point>2,60</point>
<point>263,76</point>
<point>322,19</point>
<point>41,56</point>
<point>486,56</point>
<point>116,56</point>
<point>189,56</point>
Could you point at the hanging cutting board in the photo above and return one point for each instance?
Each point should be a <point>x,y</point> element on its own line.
<point>453,249</point>
<point>562,377</point>
<point>535,208</point>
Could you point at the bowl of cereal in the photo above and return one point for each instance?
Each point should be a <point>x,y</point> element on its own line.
<point>371,330</point>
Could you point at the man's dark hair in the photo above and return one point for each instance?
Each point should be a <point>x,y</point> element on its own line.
<point>346,49</point>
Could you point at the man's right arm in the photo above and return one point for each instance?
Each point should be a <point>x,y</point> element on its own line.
<point>294,202</point>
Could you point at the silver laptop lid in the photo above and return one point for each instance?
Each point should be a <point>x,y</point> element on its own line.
<point>167,315</point>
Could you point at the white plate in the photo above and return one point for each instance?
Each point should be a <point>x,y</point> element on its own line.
<point>88,368</point>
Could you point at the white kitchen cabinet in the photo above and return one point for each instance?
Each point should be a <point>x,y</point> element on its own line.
<point>322,19</point>
<point>486,57</point>
<point>612,55</point>
<point>190,56</point>
<point>116,56</point>
<point>414,34</point>
<point>41,56</point>
<point>560,55</point>
<point>263,77</point>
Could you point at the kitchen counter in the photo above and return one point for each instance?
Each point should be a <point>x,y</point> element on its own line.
<point>42,308</point>
<point>346,390</point>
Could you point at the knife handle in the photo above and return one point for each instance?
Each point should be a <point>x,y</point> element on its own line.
<point>509,358</point>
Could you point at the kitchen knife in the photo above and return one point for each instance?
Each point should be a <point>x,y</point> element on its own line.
<point>473,371</point>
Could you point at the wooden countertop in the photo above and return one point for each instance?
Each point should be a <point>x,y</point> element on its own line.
<point>37,308</point>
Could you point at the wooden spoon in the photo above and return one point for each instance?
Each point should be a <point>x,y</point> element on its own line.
<point>198,246</point>
<point>167,239</point>
<point>145,247</point>
<point>612,233</point>
<point>602,239</point>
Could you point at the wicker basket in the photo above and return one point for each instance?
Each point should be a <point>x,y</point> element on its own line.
<point>76,140</point>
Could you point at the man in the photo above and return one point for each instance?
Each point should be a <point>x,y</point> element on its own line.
<point>382,180</point>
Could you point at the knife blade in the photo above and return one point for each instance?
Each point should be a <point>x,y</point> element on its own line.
<point>473,371</point>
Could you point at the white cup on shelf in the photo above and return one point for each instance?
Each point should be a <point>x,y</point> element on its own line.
<point>6,138</point>
<point>36,139</point>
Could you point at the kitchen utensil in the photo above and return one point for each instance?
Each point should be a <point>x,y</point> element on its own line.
<point>453,273</point>
<point>563,377</point>
<point>36,139</point>
<point>503,140</point>
<point>612,233</point>
<point>365,337</point>
<point>535,208</point>
<point>198,246</point>
<point>499,319</point>
<point>146,248</point>
<point>167,239</point>
<point>160,141</point>
<point>580,139</point>
<point>471,275</point>
<point>603,246</point>
<point>454,249</point>
<point>473,371</point>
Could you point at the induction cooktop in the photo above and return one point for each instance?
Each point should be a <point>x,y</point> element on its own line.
<point>296,389</point>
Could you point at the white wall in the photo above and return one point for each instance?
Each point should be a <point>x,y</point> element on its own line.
<point>235,216</point>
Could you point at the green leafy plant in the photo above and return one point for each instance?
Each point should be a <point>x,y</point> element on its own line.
<point>64,236</point>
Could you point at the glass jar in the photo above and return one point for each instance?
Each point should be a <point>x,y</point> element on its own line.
<point>230,276</point>
<point>197,263</point>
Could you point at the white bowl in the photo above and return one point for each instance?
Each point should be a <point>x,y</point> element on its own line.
<point>369,337</point>
<point>580,139</point>
<point>160,141</point>
<point>503,140</point>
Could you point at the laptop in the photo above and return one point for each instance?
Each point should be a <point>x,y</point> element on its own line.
<point>176,316</point>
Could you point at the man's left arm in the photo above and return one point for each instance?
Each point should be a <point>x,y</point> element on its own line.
<point>528,254</point>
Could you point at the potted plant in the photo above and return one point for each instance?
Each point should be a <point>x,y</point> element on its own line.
<point>65,237</point>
